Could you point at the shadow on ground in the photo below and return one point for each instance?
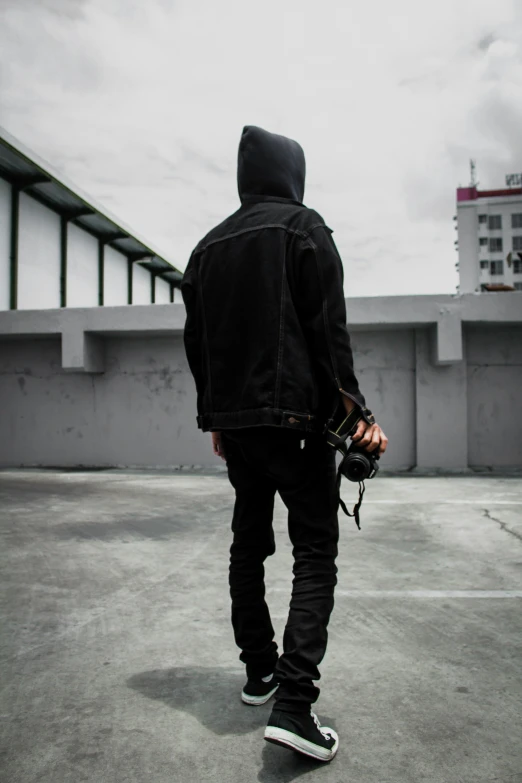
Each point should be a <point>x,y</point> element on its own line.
<point>282,766</point>
<point>212,696</point>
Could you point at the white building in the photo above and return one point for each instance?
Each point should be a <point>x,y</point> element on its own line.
<point>489,226</point>
<point>58,248</point>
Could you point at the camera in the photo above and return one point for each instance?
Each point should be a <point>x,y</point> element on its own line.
<point>359,464</point>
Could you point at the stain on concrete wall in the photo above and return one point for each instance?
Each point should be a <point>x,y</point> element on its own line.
<point>385,367</point>
<point>494,380</point>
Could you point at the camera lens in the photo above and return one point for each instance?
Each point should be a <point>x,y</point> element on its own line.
<point>357,467</point>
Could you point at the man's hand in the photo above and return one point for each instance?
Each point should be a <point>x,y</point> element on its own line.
<point>370,437</point>
<point>216,445</point>
<point>367,436</point>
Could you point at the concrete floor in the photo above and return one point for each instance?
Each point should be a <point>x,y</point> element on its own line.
<point>119,664</point>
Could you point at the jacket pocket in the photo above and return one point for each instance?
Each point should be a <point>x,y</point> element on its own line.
<point>292,418</point>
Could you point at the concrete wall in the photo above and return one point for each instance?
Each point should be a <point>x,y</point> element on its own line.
<point>91,387</point>
<point>494,391</point>
<point>140,411</point>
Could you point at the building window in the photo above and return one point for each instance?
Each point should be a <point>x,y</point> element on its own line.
<point>517,243</point>
<point>516,220</point>
<point>484,264</point>
<point>483,241</point>
<point>518,286</point>
<point>496,267</point>
<point>483,218</point>
<point>517,267</point>
<point>495,245</point>
<point>494,222</point>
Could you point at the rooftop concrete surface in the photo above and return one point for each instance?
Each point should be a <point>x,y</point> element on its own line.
<point>119,664</point>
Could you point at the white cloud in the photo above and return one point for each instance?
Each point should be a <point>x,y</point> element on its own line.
<point>143,105</point>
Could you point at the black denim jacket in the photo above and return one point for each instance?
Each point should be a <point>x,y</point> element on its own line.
<point>265,335</point>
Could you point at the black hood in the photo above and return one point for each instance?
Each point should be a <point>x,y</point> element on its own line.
<point>270,165</point>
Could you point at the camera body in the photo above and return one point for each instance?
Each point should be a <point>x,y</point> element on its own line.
<point>358,464</point>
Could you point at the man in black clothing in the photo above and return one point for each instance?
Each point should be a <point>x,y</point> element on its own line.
<point>267,344</point>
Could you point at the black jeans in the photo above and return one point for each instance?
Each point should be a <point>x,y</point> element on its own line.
<point>262,461</point>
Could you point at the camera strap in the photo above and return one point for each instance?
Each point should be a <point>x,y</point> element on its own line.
<point>338,491</point>
<point>338,430</point>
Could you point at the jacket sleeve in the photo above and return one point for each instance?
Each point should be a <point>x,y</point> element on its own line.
<point>322,313</point>
<point>191,335</point>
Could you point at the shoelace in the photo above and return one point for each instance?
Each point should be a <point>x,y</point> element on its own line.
<point>323,731</point>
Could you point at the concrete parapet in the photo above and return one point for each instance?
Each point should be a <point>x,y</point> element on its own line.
<point>111,387</point>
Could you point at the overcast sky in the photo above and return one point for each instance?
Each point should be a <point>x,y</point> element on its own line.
<point>142,105</point>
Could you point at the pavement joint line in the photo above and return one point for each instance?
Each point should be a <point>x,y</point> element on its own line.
<point>418,593</point>
<point>490,502</point>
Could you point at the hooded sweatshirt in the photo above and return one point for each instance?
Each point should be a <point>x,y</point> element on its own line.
<point>270,165</point>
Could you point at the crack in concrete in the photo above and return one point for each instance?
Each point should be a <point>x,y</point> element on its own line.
<point>502,525</point>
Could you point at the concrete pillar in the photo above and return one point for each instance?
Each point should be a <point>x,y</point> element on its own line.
<point>81,351</point>
<point>441,406</point>
<point>448,347</point>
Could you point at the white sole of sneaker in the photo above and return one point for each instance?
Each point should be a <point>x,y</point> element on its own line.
<point>295,742</point>
<point>255,701</point>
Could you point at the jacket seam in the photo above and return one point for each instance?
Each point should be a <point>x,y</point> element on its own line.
<point>296,231</point>
<point>253,228</point>
<point>305,417</point>
<point>281,334</point>
<point>205,339</point>
<point>325,316</point>
<point>316,225</point>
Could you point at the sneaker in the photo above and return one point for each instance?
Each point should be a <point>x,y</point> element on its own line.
<point>302,733</point>
<point>259,691</point>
